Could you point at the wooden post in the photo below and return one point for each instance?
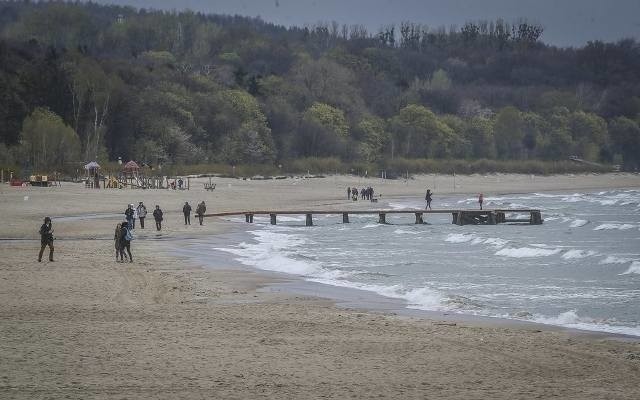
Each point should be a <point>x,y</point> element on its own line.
<point>535,218</point>
<point>461,217</point>
<point>273,219</point>
<point>246,217</point>
<point>188,183</point>
<point>454,219</point>
<point>383,218</point>
<point>345,218</point>
<point>309,220</point>
<point>491,218</point>
<point>419,219</point>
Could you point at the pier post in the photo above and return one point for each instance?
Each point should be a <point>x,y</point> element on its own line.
<point>460,220</point>
<point>249,218</point>
<point>273,219</point>
<point>491,218</point>
<point>345,218</point>
<point>419,219</point>
<point>309,220</point>
<point>536,218</point>
<point>454,218</point>
<point>383,218</point>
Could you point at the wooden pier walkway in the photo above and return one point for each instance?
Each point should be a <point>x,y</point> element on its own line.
<point>459,217</point>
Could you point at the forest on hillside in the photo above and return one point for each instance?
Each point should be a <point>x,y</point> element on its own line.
<point>82,81</point>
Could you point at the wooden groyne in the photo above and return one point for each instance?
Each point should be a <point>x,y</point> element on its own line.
<point>459,217</point>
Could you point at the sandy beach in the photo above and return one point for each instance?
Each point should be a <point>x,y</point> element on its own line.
<point>164,326</point>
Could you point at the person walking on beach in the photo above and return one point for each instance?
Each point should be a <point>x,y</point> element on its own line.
<point>46,238</point>
<point>428,199</point>
<point>142,213</point>
<point>157,215</point>
<point>117,237</point>
<point>128,213</point>
<point>200,210</point>
<point>371,194</point>
<point>125,241</point>
<point>186,210</point>
<point>348,193</point>
<point>480,199</point>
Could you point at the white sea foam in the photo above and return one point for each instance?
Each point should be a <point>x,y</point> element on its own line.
<point>622,227</point>
<point>615,260</point>
<point>578,223</point>
<point>526,252</point>
<point>571,319</point>
<point>634,268</point>
<point>405,232</point>
<point>496,242</point>
<point>459,238</point>
<point>575,254</point>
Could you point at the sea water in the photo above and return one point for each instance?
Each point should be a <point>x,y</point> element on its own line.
<point>580,269</point>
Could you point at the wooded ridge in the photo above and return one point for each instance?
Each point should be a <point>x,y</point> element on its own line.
<point>82,81</point>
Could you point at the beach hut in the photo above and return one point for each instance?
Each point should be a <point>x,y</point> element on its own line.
<point>93,175</point>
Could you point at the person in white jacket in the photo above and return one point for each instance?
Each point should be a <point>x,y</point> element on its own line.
<point>141,210</point>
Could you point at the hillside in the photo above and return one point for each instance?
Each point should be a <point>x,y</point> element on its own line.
<point>86,81</point>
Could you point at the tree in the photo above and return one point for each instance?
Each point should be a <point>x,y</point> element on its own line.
<point>625,134</point>
<point>48,141</point>
<point>417,132</point>
<point>373,137</point>
<point>323,131</point>
<point>509,132</point>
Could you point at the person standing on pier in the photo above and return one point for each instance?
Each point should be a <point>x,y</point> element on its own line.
<point>428,199</point>
<point>46,238</point>
<point>157,215</point>
<point>186,210</point>
<point>480,199</point>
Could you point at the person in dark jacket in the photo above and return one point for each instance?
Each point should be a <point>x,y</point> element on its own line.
<point>125,241</point>
<point>128,213</point>
<point>157,215</point>
<point>186,210</point>
<point>427,197</point>
<point>200,210</point>
<point>46,238</point>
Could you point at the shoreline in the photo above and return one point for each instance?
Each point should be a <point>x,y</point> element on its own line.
<point>355,298</point>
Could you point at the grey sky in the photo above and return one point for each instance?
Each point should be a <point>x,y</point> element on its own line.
<point>566,22</point>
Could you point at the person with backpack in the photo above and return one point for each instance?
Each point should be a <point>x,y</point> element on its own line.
<point>125,241</point>
<point>142,213</point>
<point>157,215</point>
<point>200,210</point>
<point>186,210</point>
<point>46,238</point>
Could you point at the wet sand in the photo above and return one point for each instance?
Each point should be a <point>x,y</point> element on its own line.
<point>164,326</point>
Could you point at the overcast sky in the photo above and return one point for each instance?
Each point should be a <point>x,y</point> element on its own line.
<point>566,22</point>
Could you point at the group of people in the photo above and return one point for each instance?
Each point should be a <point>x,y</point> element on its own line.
<point>123,235</point>
<point>428,198</point>
<point>365,193</point>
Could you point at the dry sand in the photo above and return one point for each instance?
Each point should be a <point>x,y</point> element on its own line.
<point>162,327</point>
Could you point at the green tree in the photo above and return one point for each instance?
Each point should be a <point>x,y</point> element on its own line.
<point>625,134</point>
<point>323,131</point>
<point>509,132</point>
<point>48,141</point>
<point>372,136</point>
